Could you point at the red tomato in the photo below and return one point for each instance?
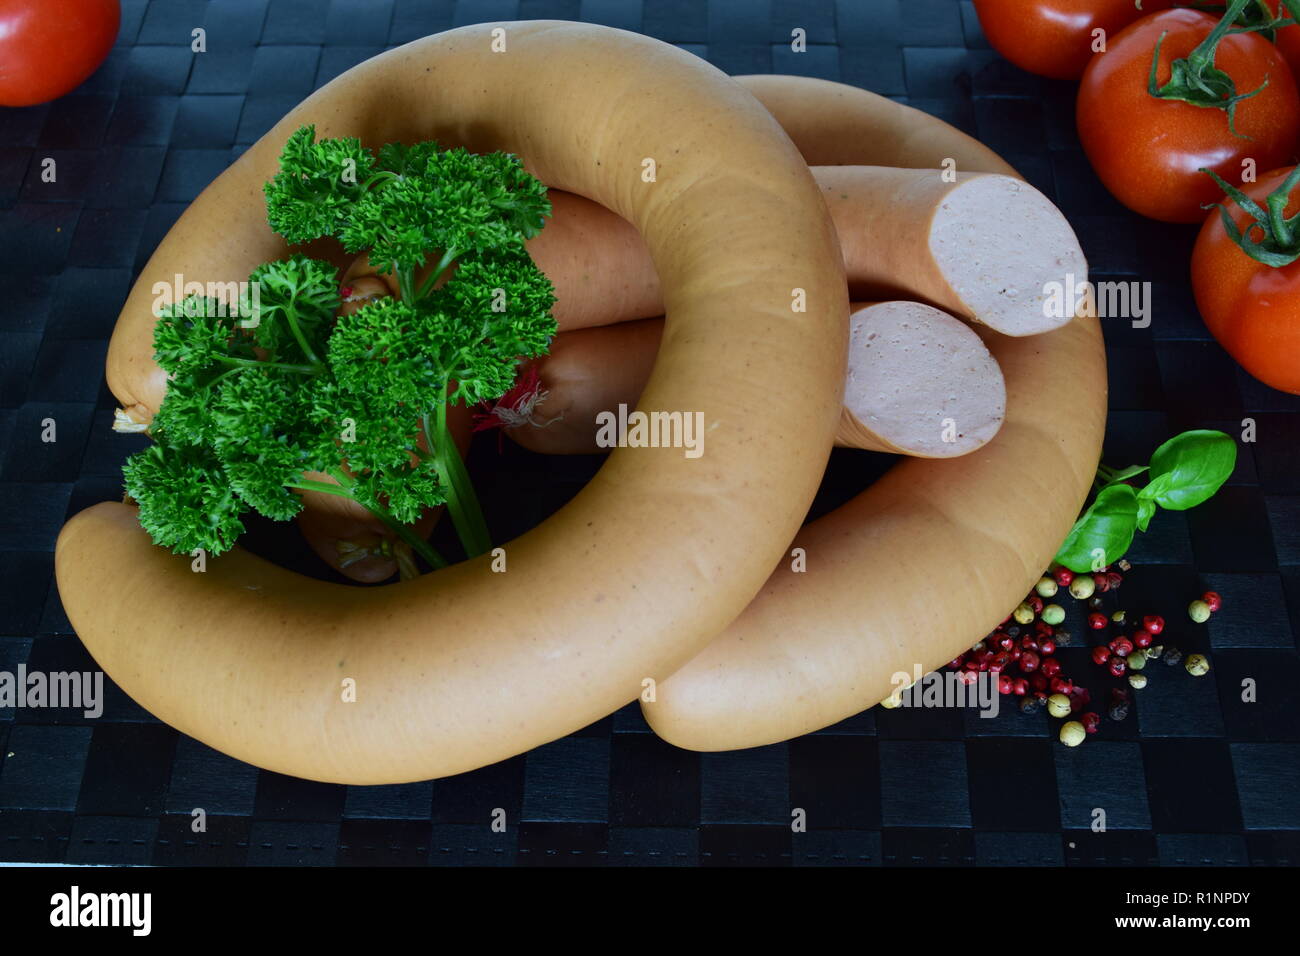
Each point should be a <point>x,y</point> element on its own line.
<point>1288,41</point>
<point>1252,309</point>
<point>1054,37</point>
<point>49,47</point>
<point>1147,150</point>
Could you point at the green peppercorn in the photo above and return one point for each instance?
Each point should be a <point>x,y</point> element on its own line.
<point>1119,618</point>
<point>1198,611</point>
<point>1137,681</point>
<point>1073,732</point>
<point>1058,705</point>
<point>1053,614</point>
<point>1046,587</point>
<point>1197,665</point>
<point>1137,660</point>
<point>1082,587</point>
<point>1154,651</point>
<point>1024,614</point>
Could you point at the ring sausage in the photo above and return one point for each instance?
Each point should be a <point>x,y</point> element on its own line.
<point>819,646</point>
<point>652,559</point>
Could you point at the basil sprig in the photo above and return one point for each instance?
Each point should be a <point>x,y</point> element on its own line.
<point>1184,472</point>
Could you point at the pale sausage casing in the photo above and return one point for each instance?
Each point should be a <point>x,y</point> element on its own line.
<point>930,558</point>
<point>652,559</point>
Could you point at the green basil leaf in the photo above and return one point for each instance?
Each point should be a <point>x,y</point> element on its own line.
<point>1197,463</point>
<point>1104,533</point>
<point>1146,510</point>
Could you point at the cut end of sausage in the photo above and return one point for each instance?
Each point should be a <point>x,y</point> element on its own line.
<point>920,382</point>
<point>1002,247</point>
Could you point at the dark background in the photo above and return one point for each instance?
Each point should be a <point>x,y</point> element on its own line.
<point>1193,776</point>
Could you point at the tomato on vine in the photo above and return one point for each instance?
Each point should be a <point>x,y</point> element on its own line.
<point>1177,92</point>
<point>1246,276</point>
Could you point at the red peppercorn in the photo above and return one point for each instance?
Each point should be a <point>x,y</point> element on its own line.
<point>1077,704</point>
<point>999,661</point>
<point>1028,644</point>
<point>1007,642</point>
<point>1063,577</point>
<point>1091,721</point>
<point>1082,693</point>
<point>1213,599</point>
<point>1153,623</point>
<point>1047,647</point>
<point>1005,684</point>
<point>1038,681</point>
<point>969,677</point>
<point>1142,638</point>
<point>1015,653</point>
<point>1097,621</point>
<point>1121,646</point>
<point>1117,666</point>
<point>1029,662</point>
<point>1035,602</point>
<point>1101,655</point>
<point>1101,583</point>
<point>1020,687</point>
<point>1043,629</point>
<point>1062,686</point>
<point>956,663</point>
<point>1050,666</point>
<point>1040,695</point>
<point>1115,579</point>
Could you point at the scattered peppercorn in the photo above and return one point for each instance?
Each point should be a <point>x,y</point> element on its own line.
<point>1082,587</point>
<point>1142,637</point>
<point>1101,583</point>
<point>1063,637</point>
<point>1172,656</point>
<point>1064,576</point>
<point>1091,722</point>
<point>1030,705</point>
<point>1213,599</point>
<point>1073,733</point>
<point>1047,647</point>
<point>1097,621</point>
<point>1117,666</point>
<point>1197,665</point>
<point>1096,603</point>
<point>1046,587</point>
<point>1119,618</point>
<point>1101,655</point>
<point>1154,651</point>
<point>1137,660</point>
<point>1119,710</point>
<point>1154,623</point>
<point>1024,614</point>
<point>1121,647</point>
<point>1053,614</point>
<point>1199,611</point>
<point>1137,681</point>
<point>1058,705</point>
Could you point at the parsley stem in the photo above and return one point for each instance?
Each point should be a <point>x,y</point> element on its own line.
<point>447,258</point>
<point>418,544</point>
<point>257,363</point>
<point>292,314</point>
<point>462,503</point>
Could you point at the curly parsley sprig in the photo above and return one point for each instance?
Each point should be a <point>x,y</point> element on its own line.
<point>252,406</point>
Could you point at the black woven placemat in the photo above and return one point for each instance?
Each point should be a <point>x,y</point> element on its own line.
<point>1195,775</point>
